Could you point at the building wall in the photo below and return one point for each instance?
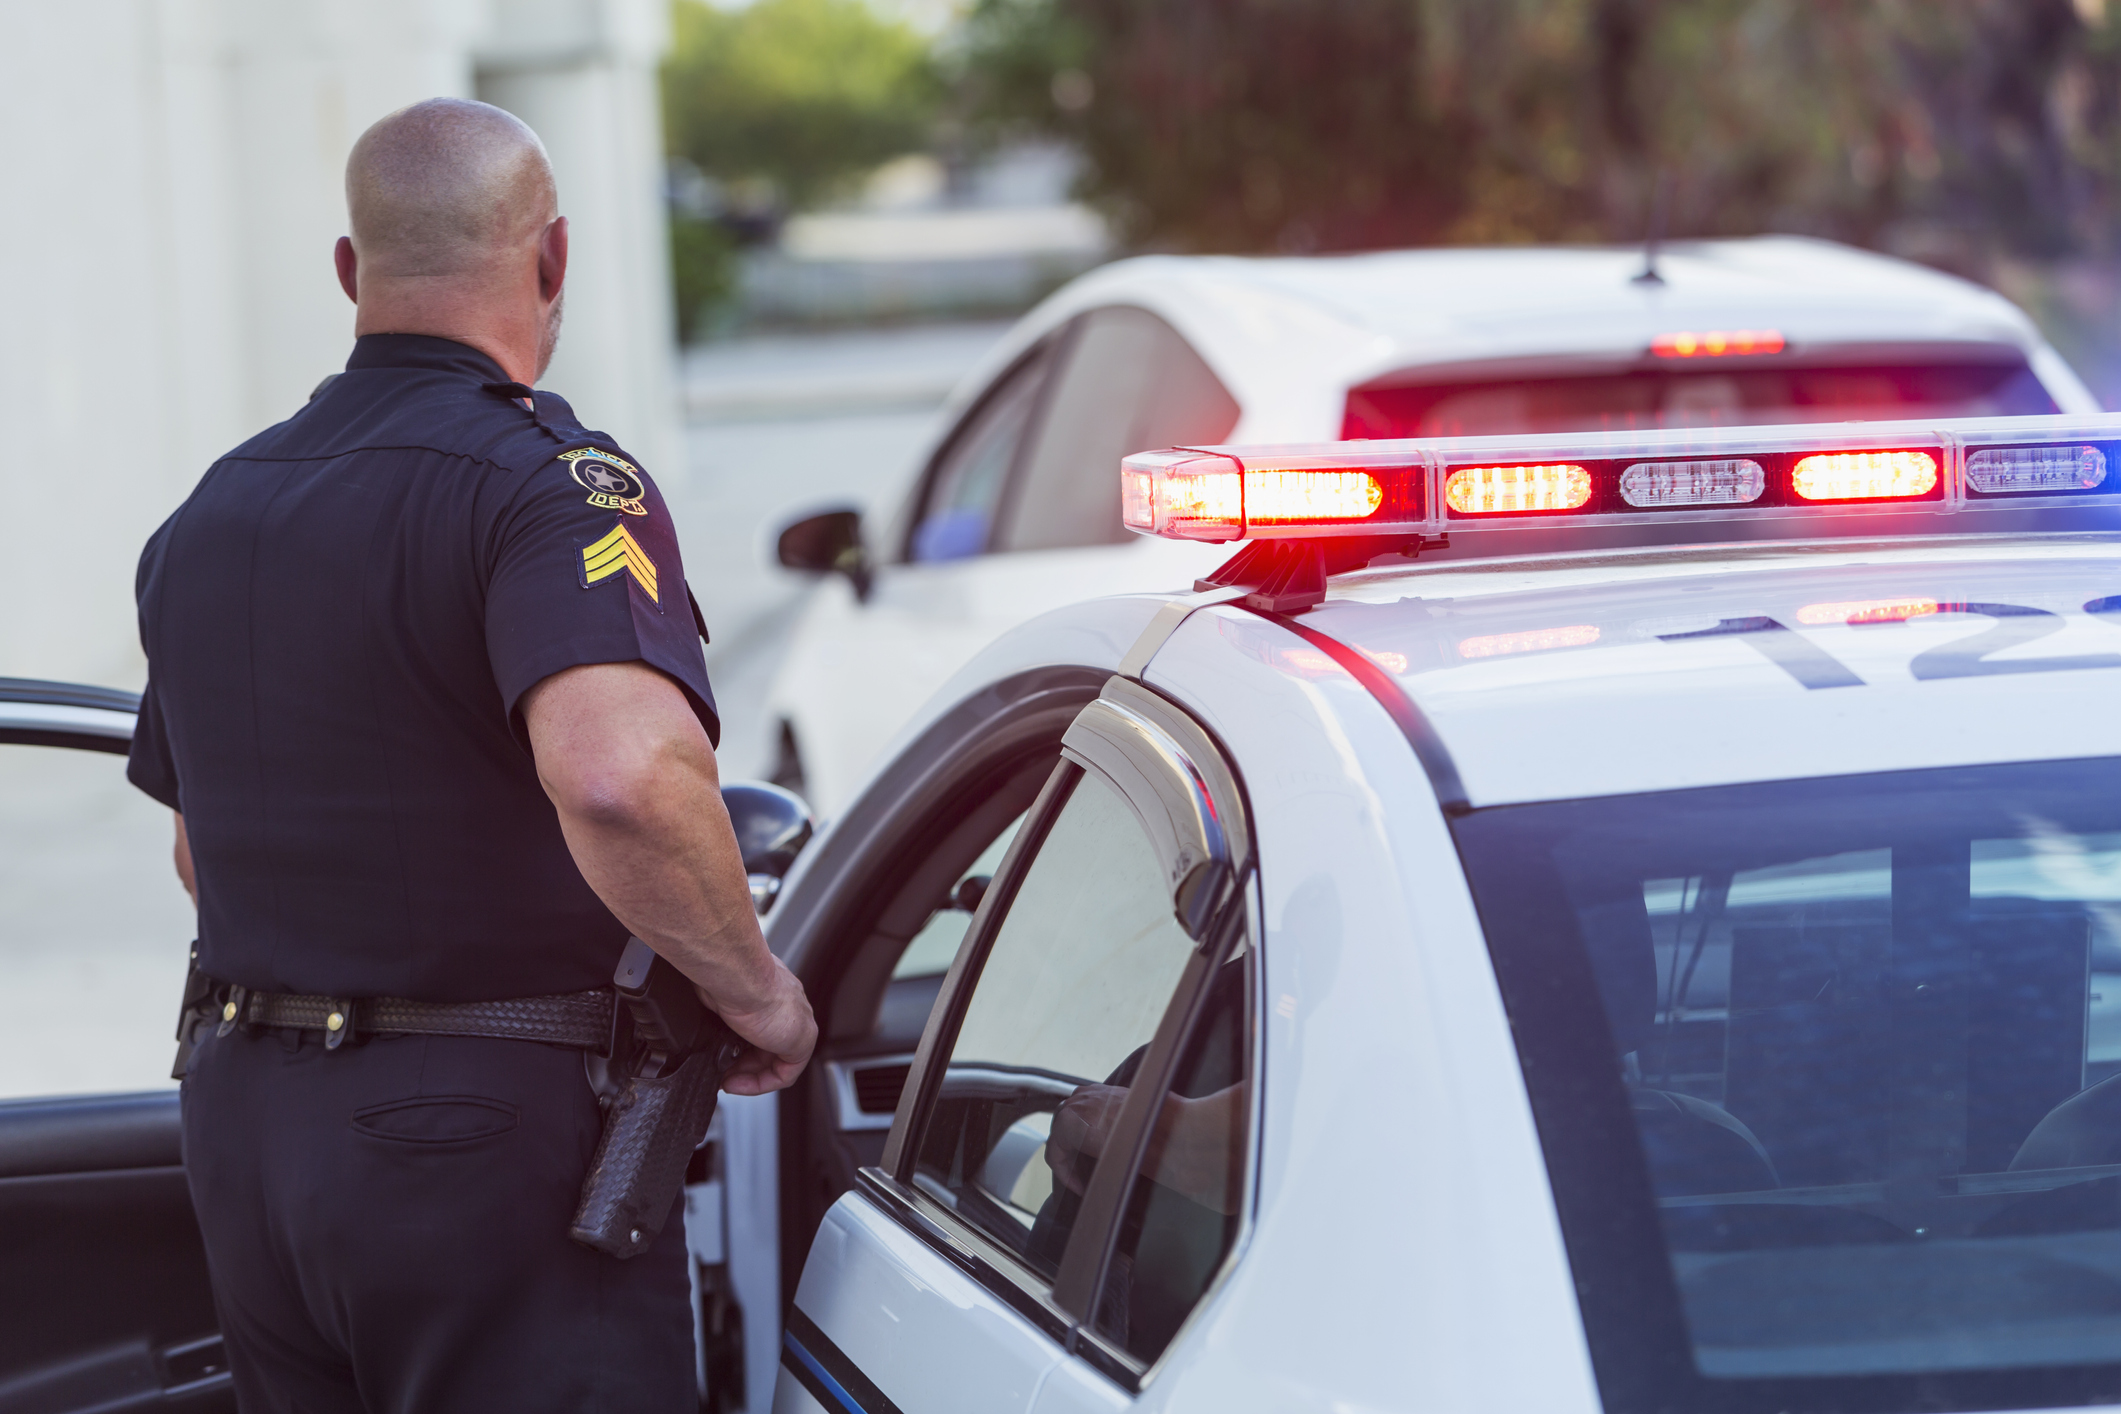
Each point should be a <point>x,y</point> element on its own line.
<point>172,170</point>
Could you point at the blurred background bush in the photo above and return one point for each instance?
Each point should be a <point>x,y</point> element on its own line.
<point>1980,136</point>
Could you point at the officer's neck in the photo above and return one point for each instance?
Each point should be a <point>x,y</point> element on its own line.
<point>511,332</point>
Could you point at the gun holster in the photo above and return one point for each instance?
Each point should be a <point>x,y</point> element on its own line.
<point>673,1053</point>
<point>198,1011</point>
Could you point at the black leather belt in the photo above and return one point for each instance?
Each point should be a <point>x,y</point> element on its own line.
<point>574,1019</point>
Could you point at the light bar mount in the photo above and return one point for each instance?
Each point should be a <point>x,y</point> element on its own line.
<point>1289,576</point>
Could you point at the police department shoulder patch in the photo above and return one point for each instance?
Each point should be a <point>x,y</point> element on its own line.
<point>612,482</point>
<point>618,552</point>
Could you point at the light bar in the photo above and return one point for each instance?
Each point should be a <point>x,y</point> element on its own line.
<point>1732,481</point>
<point>1864,476</point>
<point>2018,471</point>
<point>1504,490</point>
<point>1860,477</point>
<point>1717,343</point>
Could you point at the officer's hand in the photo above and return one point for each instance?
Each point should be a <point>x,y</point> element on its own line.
<point>782,1034</point>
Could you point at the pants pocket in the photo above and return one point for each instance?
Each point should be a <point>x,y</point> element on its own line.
<point>436,1119</point>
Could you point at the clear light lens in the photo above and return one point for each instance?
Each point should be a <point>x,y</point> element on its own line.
<point>1501,490</point>
<point>1865,476</point>
<point>1717,343</point>
<point>2017,470</point>
<point>1494,645</point>
<point>1730,482</point>
<point>1184,495</point>
<point>1137,499</point>
<point>1300,497</point>
<point>1867,611</point>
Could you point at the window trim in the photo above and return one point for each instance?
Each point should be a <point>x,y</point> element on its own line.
<point>1171,772</point>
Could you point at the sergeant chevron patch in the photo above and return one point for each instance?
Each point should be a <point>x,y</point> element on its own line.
<point>615,552</point>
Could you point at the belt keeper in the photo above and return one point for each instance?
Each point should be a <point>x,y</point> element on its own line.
<point>338,1023</point>
<point>232,1010</point>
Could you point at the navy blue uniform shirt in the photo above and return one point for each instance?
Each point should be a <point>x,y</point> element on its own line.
<point>340,624</point>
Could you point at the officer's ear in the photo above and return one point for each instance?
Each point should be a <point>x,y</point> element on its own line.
<point>343,256</point>
<point>552,260</point>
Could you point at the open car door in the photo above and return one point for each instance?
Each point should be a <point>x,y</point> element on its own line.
<point>104,1303</point>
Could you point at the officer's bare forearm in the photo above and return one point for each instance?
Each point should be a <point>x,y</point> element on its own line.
<point>182,855</point>
<point>634,780</point>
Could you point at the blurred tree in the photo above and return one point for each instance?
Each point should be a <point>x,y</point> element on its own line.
<point>1961,131</point>
<point>801,96</point>
<point>702,271</point>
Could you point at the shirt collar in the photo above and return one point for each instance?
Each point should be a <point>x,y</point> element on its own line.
<point>423,351</point>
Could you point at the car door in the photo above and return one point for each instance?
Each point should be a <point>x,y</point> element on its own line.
<point>1016,514</point>
<point>1068,1168</point>
<point>105,1303</point>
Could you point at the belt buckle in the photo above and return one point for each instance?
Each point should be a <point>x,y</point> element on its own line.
<point>340,1019</point>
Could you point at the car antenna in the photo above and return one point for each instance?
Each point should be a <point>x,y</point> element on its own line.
<point>1660,209</point>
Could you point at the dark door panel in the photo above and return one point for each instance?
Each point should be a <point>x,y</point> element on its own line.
<point>104,1302</point>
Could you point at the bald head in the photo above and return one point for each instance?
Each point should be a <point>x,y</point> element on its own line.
<point>447,188</point>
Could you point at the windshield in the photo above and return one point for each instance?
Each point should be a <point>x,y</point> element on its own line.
<point>1828,1078</point>
<point>1695,397</point>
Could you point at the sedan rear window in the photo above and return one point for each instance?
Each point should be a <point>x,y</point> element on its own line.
<point>1828,1078</point>
<point>1693,397</point>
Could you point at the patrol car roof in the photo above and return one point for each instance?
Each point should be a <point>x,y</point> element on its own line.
<point>1588,674</point>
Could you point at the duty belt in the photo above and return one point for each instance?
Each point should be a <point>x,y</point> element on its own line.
<point>572,1019</point>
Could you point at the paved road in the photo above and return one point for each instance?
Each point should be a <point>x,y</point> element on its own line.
<point>92,924</point>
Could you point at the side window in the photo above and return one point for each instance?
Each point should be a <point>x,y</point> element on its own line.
<point>1130,383</point>
<point>1182,1216</point>
<point>91,912</point>
<point>1074,984</point>
<point>957,515</point>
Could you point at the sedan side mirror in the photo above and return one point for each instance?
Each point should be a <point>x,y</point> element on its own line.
<point>772,826</point>
<point>829,542</point>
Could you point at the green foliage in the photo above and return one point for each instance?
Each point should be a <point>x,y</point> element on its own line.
<point>702,271</point>
<point>1962,130</point>
<point>801,95</point>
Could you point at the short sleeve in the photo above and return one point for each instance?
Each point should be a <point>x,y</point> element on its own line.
<point>149,764</point>
<point>585,569</point>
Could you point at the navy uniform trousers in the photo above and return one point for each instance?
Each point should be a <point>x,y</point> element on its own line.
<point>386,1226</point>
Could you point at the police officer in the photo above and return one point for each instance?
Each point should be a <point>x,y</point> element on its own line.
<point>426,691</point>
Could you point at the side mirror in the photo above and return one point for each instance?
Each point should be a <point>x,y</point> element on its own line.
<point>772,826</point>
<point>829,542</point>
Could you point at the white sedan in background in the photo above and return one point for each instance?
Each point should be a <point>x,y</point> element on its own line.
<point>1015,510</point>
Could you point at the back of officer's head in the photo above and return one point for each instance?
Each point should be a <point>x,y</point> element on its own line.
<point>447,188</point>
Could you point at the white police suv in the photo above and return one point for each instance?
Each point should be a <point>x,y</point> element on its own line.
<point>1623,923</point>
<point>1602,924</point>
